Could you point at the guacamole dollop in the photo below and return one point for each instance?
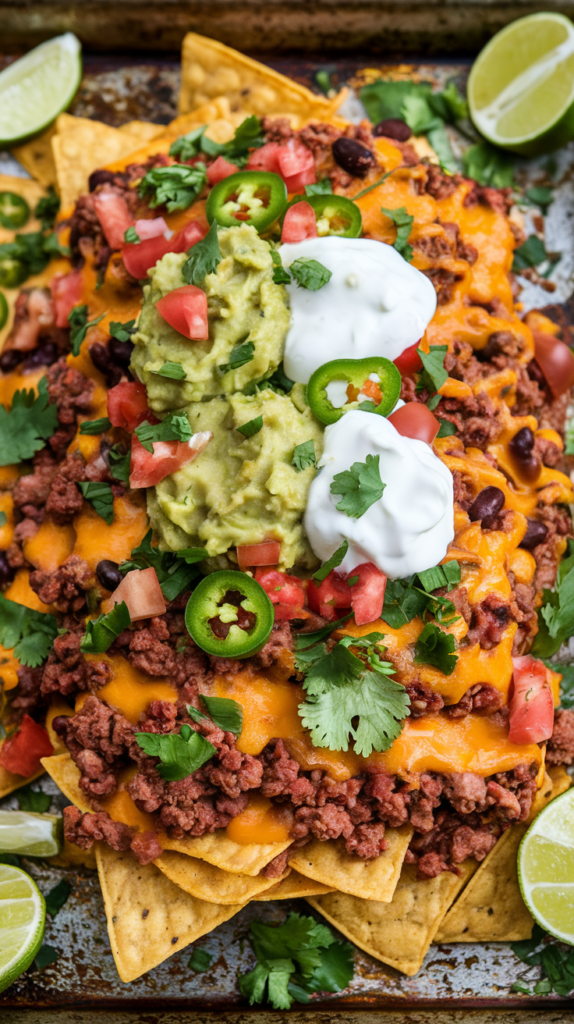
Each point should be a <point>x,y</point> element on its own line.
<point>244,305</point>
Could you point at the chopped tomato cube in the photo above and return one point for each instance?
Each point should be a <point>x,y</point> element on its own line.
<point>286,593</point>
<point>368,593</point>
<point>66,293</point>
<point>330,596</point>
<point>409,361</point>
<point>127,405</point>
<point>114,217</point>
<point>265,553</point>
<point>21,752</point>
<point>266,158</point>
<point>220,169</point>
<point>151,227</point>
<point>415,420</point>
<point>300,223</point>
<point>531,703</point>
<point>149,468</point>
<point>293,158</point>
<point>140,257</point>
<point>141,591</point>
<point>185,309</point>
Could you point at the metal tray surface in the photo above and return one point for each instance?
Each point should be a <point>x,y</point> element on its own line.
<point>453,976</point>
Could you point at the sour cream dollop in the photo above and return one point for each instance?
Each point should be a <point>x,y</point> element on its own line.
<point>410,527</point>
<point>374,304</point>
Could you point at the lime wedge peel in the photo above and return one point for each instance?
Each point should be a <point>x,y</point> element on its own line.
<point>37,87</point>
<point>546,868</point>
<point>22,919</point>
<point>32,835</point>
<point>521,86</point>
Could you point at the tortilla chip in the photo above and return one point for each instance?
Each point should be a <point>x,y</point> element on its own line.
<point>491,908</point>
<point>294,886</point>
<point>210,69</point>
<point>207,882</point>
<point>66,775</point>
<point>9,782</point>
<point>217,849</point>
<point>376,879</point>
<point>37,157</point>
<point>80,146</point>
<point>143,130</point>
<point>398,933</point>
<point>149,917</point>
<point>73,856</point>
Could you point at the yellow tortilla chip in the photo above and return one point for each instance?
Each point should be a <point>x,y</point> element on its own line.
<point>9,782</point>
<point>143,130</point>
<point>210,69</point>
<point>73,856</point>
<point>66,775</point>
<point>294,886</point>
<point>398,933</point>
<point>37,157</point>
<point>149,917</point>
<point>217,849</point>
<point>207,882</point>
<point>80,146</point>
<point>491,908</point>
<point>376,879</point>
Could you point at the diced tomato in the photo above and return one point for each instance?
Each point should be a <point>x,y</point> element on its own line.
<point>281,588</point>
<point>220,169</point>
<point>191,233</point>
<point>293,158</point>
<point>531,704</point>
<point>300,223</point>
<point>266,158</point>
<point>556,360</point>
<point>185,309</point>
<point>140,257</point>
<point>151,227</point>
<point>21,752</point>
<point>141,591</point>
<point>328,597</point>
<point>297,182</point>
<point>265,553</point>
<point>368,593</point>
<point>409,361</point>
<point>150,468</point>
<point>66,293</point>
<point>127,405</point>
<point>415,420</point>
<point>114,217</point>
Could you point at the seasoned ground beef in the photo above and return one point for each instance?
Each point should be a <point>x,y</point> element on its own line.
<point>558,523</point>
<point>66,587</point>
<point>67,672</point>
<point>560,749</point>
<point>65,498</point>
<point>86,829</point>
<point>72,394</point>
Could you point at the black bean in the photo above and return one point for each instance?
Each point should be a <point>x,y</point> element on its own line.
<point>9,360</point>
<point>536,533</point>
<point>487,503</point>
<point>44,355</point>
<point>120,351</point>
<point>6,570</point>
<point>60,724</point>
<point>100,177</point>
<point>393,128</point>
<point>353,157</point>
<point>522,444</point>
<point>108,574</point>
<point>102,360</point>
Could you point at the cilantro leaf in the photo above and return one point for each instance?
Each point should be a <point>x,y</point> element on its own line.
<point>278,381</point>
<point>26,255</point>
<point>567,683</point>
<point>336,968</point>
<point>101,632</point>
<point>3,519</point>
<point>100,497</point>
<point>360,487</point>
<point>175,427</point>
<point>304,456</point>
<point>239,356</point>
<point>226,713</point>
<point>248,135</point>
<point>540,196</point>
<point>439,140</point>
<point>251,427</point>
<point>180,754</point>
<point>122,332</point>
<point>385,99</point>
<point>433,374</point>
<point>310,274</point>
<point>447,575</point>
<point>34,800</point>
<point>280,274</point>
<point>45,956</point>
<point>175,571</point>
<point>57,896</point>
<point>403,223</point>
<point>435,647</point>
<point>200,960</point>
<point>319,188</point>
<point>450,104</point>
<point>203,258</point>
<point>446,428</point>
<point>30,633</point>
<point>556,615</point>
<point>188,145</point>
<point>174,371</point>
<point>79,323</point>
<point>119,463</point>
<point>346,699</point>
<point>488,165</point>
<point>47,209</point>
<point>332,562</point>
<point>176,186</point>
<point>402,603</point>
<point>303,641</point>
<point>25,428</point>
<point>95,426</point>
<point>131,236</point>
<point>419,114</point>
<point>531,254</point>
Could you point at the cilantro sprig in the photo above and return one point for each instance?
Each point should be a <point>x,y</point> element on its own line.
<point>101,632</point>
<point>248,136</point>
<point>175,427</point>
<point>359,487</point>
<point>332,562</point>
<point>25,428</point>
<point>407,598</point>
<point>180,754</point>
<point>295,959</point>
<point>437,648</point>
<point>239,356</point>
<point>556,615</point>
<point>174,371</point>
<point>176,186</point>
<point>30,633</point>
<point>203,258</point>
<point>79,324</point>
<point>26,255</point>
<point>433,374</point>
<point>556,960</point>
<point>227,714</point>
<point>47,209</point>
<point>175,571</point>
<point>304,456</point>
<point>403,222</point>
<point>101,498</point>
<point>122,332</point>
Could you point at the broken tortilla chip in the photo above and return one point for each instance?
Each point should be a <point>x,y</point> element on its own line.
<point>207,882</point>
<point>80,146</point>
<point>398,933</point>
<point>294,886</point>
<point>217,849</point>
<point>491,908</point>
<point>66,775</point>
<point>37,158</point>
<point>210,69</point>
<point>9,782</point>
<point>329,863</point>
<point>143,130</point>
<point>149,917</point>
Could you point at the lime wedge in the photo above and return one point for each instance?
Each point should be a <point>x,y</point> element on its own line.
<point>36,88</point>
<point>546,867</point>
<point>33,835</point>
<point>521,86</point>
<point>22,917</point>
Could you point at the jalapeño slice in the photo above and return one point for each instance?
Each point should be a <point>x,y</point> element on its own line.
<point>229,615</point>
<point>250,197</point>
<point>381,394</point>
<point>335,215</point>
<point>14,211</point>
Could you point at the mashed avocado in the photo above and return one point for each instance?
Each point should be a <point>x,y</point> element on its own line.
<point>244,305</point>
<point>241,491</point>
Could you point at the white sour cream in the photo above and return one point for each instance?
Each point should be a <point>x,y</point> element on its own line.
<point>374,304</point>
<point>410,527</point>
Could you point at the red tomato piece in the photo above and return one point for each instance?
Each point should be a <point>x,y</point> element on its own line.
<point>532,703</point>
<point>329,596</point>
<point>149,468</point>
<point>556,361</point>
<point>285,592</point>
<point>114,217</point>
<point>297,182</point>
<point>190,234</point>
<point>266,158</point>
<point>140,257</point>
<point>220,169</point>
<point>185,309</point>
<point>416,421</point>
<point>150,227</point>
<point>127,405</point>
<point>368,593</point>
<point>265,553</point>
<point>293,158</point>
<point>21,752</point>
<point>141,591</point>
<point>66,293</point>
<point>300,223</point>
<point>409,361</point>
